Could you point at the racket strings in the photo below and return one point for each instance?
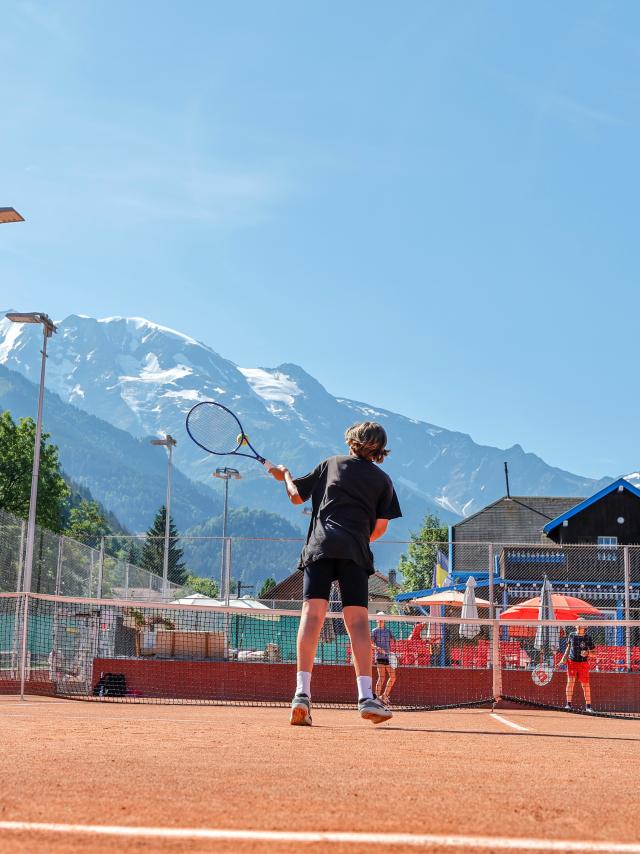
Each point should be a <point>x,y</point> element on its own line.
<point>215,428</point>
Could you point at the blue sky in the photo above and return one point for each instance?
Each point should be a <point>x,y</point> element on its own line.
<point>431,206</point>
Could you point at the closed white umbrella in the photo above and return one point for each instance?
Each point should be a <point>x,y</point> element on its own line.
<point>469,611</point>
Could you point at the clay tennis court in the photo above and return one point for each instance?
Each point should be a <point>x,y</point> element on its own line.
<point>514,775</point>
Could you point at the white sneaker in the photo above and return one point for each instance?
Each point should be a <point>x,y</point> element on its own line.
<point>300,711</point>
<point>374,710</point>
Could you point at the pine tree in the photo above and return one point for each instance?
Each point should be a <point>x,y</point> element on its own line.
<point>153,549</point>
<point>416,567</point>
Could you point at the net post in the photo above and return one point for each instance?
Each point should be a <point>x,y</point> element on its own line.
<point>100,568</point>
<point>627,605</point>
<point>24,642</point>
<point>496,664</point>
<point>58,586</point>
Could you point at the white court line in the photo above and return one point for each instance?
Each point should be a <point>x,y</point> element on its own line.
<point>412,839</point>
<point>508,722</point>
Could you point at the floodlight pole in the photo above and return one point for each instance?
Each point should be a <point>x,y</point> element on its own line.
<point>226,474</point>
<point>48,328</point>
<point>169,443</point>
<point>35,469</point>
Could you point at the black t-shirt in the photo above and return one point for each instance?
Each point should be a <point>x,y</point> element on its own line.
<point>578,644</point>
<point>347,495</point>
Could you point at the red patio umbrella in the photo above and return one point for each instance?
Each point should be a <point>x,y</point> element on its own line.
<point>565,607</point>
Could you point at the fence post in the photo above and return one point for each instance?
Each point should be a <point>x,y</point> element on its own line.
<point>126,580</point>
<point>59,565</point>
<point>627,604</point>
<point>491,584</point>
<point>227,570</point>
<point>496,664</point>
<point>100,568</point>
<point>21,557</point>
<point>15,644</point>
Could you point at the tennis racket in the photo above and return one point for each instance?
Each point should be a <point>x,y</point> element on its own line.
<point>218,430</point>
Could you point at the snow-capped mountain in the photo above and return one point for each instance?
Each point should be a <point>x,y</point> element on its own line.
<point>143,378</point>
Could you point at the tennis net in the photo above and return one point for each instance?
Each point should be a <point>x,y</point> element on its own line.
<point>138,652</point>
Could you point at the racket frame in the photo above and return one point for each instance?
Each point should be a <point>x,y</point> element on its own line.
<point>244,441</point>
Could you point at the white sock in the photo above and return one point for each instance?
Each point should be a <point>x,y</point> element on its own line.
<point>365,691</point>
<point>303,683</point>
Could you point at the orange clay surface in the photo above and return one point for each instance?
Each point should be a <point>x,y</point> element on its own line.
<point>457,772</point>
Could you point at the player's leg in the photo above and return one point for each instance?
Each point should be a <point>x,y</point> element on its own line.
<point>390,683</point>
<point>311,622</point>
<point>381,678</point>
<point>586,685</point>
<point>571,681</point>
<point>354,590</point>
<point>356,619</point>
<point>382,675</point>
<point>317,586</point>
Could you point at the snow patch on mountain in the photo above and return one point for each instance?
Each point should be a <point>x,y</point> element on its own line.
<point>185,394</point>
<point>11,333</point>
<point>141,323</point>
<point>152,372</point>
<point>446,504</point>
<point>272,386</point>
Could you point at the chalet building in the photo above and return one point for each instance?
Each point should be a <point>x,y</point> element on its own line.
<point>578,543</point>
<point>611,517</point>
<point>517,519</point>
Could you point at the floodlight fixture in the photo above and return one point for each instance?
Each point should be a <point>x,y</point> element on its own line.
<point>10,215</point>
<point>33,317</point>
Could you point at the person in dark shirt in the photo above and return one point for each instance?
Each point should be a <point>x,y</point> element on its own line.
<point>352,501</point>
<point>386,660</point>
<point>578,650</point>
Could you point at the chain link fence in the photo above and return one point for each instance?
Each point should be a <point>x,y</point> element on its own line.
<point>65,567</point>
<point>606,576</point>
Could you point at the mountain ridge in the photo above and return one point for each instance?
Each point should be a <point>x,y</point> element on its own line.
<point>142,377</point>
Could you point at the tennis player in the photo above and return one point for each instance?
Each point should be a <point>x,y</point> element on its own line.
<point>386,661</point>
<point>352,501</point>
<point>578,650</point>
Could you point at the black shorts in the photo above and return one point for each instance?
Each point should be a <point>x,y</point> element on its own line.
<point>352,579</point>
<point>382,660</point>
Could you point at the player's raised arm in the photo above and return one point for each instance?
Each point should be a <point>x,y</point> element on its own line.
<point>282,473</point>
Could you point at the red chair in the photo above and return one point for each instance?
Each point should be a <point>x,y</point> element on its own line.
<point>471,657</point>
<point>412,653</point>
